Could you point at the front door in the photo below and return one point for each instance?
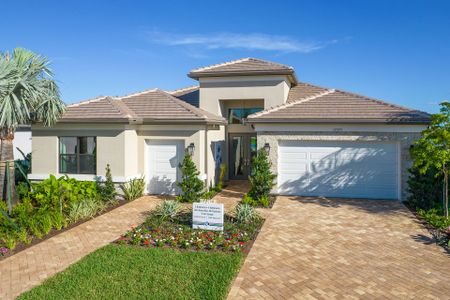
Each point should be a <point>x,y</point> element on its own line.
<point>242,147</point>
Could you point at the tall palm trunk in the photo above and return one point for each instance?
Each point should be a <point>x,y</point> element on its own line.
<point>7,155</point>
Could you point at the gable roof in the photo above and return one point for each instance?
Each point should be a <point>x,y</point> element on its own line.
<point>312,104</point>
<point>151,106</point>
<point>244,67</point>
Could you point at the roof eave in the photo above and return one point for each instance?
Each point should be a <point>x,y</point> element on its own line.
<point>338,121</point>
<point>289,73</point>
<point>182,121</point>
<point>94,120</point>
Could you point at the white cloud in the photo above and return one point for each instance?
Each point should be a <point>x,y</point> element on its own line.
<point>253,41</point>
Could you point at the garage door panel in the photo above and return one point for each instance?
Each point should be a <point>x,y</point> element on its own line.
<point>339,169</point>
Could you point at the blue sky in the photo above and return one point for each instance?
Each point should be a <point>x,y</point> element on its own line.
<point>398,51</point>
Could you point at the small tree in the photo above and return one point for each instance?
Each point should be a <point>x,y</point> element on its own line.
<point>107,188</point>
<point>191,186</point>
<point>433,149</point>
<point>261,178</point>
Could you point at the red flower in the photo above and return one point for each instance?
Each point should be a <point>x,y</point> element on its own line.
<point>146,242</point>
<point>241,243</point>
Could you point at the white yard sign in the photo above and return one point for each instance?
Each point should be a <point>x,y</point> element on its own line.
<point>207,216</point>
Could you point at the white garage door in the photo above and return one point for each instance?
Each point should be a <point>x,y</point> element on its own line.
<point>338,169</point>
<point>163,158</point>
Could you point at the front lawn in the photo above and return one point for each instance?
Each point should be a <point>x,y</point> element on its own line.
<point>124,272</point>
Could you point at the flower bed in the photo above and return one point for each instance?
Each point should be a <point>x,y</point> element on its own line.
<point>177,233</point>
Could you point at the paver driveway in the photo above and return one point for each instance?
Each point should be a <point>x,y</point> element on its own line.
<point>310,248</point>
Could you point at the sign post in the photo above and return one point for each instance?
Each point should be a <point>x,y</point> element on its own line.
<point>207,216</point>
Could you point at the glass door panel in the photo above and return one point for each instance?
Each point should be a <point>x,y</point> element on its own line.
<point>242,148</point>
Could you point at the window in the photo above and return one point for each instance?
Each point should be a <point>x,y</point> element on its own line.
<point>235,115</point>
<point>77,155</point>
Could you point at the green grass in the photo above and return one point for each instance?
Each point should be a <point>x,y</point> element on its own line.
<point>123,272</point>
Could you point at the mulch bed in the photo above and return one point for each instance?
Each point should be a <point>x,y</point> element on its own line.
<point>22,246</point>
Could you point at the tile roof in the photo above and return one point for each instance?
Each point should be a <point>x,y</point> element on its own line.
<point>147,106</point>
<point>102,109</point>
<point>244,67</point>
<point>308,103</point>
<point>190,95</point>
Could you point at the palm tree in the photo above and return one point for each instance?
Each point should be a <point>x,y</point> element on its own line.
<point>28,94</point>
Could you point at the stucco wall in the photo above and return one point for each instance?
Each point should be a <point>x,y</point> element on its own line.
<point>110,149</point>
<point>272,89</point>
<point>187,134</point>
<point>405,140</point>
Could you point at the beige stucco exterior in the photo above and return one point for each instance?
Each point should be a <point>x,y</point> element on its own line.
<point>273,90</point>
<point>122,147</point>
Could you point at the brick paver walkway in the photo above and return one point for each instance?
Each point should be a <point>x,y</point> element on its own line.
<point>333,249</point>
<point>30,267</point>
<point>232,193</point>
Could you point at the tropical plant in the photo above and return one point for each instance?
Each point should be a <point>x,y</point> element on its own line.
<point>87,208</point>
<point>168,209</point>
<point>133,189</point>
<point>261,177</point>
<point>245,213</point>
<point>107,189</point>
<point>432,150</point>
<point>28,94</point>
<point>22,168</point>
<point>191,186</point>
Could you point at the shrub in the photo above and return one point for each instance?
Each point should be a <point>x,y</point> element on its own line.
<point>133,189</point>
<point>435,218</point>
<point>107,189</point>
<point>210,194</point>
<point>263,201</point>
<point>22,189</point>
<point>247,199</point>
<point>261,178</point>
<point>58,220</point>
<point>10,241</point>
<point>191,186</point>
<point>22,235</point>
<point>425,190</point>
<point>85,209</point>
<point>245,213</point>
<point>168,209</point>
<point>223,170</point>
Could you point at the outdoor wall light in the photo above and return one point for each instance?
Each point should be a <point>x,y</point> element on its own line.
<point>267,148</point>
<point>190,149</point>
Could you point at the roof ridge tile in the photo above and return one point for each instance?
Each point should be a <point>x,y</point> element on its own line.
<point>209,67</point>
<point>288,104</point>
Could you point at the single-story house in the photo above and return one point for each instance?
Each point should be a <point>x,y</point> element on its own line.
<point>321,141</point>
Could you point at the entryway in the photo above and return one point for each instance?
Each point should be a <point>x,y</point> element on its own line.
<point>242,147</point>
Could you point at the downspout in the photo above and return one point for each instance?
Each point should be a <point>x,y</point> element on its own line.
<point>206,156</point>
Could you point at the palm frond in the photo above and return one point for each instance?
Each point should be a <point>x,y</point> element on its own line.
<point>27,90</point>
